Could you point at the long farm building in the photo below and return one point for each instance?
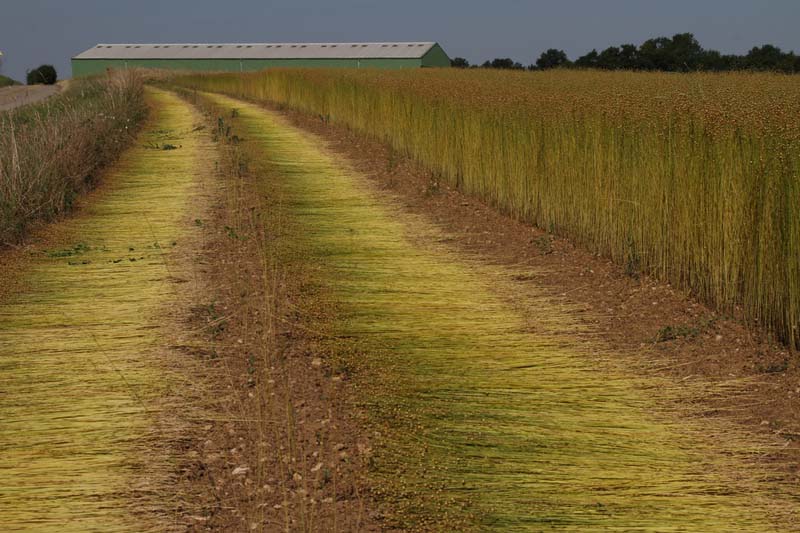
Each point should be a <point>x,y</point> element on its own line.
<point>257,56</point>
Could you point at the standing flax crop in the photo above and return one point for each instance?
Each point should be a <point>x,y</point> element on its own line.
<point>691,178</point>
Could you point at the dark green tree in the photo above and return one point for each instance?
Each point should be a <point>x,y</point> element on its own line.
<point>628,57</point>
<point>459,62</point>
<point>683,53</point>
<point>503,63</point>
<point>44,74</point>
<point>588,61</point>
<point>714,61</point>
<point>654,54</point>
<point>686,52</point>
<point>769,57</point>
<point>609,59</point>
<point>552,58</point>
<point>612,58</point>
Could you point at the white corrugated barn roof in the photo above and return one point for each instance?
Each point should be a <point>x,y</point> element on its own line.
<point>257,51</point>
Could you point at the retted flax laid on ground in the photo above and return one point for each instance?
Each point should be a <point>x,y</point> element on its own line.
<point>84,369</point>
<point>694,178</point>
<point>491,417</point>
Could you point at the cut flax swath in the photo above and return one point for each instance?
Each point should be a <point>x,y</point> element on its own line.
<point>693,178</point>
<point>484,425</point>
<point>83,370</point>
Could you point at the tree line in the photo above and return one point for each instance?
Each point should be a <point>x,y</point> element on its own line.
<point>681,53</point>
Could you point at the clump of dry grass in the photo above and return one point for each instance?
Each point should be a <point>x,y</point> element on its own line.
<point>693,178</point>
<point>52,151</point>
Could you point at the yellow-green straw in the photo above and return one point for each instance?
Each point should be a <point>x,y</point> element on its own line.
<point>83,365</point>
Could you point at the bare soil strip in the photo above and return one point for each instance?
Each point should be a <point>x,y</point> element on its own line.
<point>98,383</point>
<point>488,407</point>
<point>284,456</point>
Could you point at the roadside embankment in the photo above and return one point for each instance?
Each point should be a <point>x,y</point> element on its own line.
<point>15,96</point>
<point>52,152</point>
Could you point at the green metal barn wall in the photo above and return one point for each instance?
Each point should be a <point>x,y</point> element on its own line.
<point>435,57</point>
<point>87,67</point>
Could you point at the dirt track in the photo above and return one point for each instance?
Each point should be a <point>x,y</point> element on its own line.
<point>19,95</point>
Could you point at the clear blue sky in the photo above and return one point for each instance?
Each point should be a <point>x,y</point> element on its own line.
<point>51,31</point>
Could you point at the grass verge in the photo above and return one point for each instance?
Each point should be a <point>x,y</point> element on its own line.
<point>5,81</point>
<point>52,152</point>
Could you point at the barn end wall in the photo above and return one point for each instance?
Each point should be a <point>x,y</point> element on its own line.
<point>436,57</point>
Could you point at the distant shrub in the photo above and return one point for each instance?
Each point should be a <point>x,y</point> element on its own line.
<point>5,81</point>
<point>45,74</point>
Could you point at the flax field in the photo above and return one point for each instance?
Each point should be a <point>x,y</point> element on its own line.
<point>694,178</point>
<point>486,425</point>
